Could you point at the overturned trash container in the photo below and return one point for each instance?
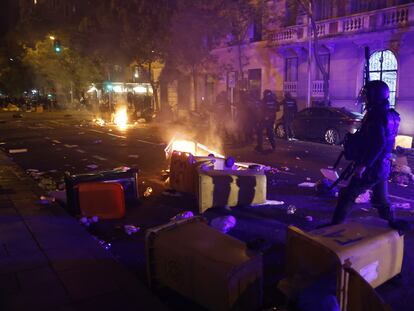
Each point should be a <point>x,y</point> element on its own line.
<point>211,268</point>
<point>105,200</point>
<point>127,178</point>
<point>368,246</point>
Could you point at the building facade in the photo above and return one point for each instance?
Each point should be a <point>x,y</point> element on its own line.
<point>279,61</point>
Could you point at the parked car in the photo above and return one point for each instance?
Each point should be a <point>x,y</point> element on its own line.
<point>323,123</point>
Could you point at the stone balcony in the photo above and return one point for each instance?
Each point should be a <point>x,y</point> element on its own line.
<point>389,18</point>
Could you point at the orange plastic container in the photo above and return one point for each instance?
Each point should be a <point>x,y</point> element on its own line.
<point>105,200</point>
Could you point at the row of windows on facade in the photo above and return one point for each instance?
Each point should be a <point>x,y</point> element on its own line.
<point>383,66</point>
<point>325,9</point>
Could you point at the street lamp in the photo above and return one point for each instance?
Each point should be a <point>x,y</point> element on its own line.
<point>52,38</point>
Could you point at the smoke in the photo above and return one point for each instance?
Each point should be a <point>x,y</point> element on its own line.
<point>204,129</point>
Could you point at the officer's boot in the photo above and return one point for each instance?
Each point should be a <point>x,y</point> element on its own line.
<point>387,212</point>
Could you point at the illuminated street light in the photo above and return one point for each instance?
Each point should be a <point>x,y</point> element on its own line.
<point>52,37</point>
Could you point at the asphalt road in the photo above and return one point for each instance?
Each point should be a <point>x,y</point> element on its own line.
<point>59,142</point>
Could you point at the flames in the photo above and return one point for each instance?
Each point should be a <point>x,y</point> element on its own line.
<point>189,146</point>
<point>121,118</point>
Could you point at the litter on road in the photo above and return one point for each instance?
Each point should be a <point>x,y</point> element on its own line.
<point>92,166</point>
<point>364,197</point>
<point>291,210</point>
<point>131,229</point>
<point>135,156</point>
<point>270,202</point>
<point>309,218</point>
<point>22,150</point>
<point>183,215</point>
<point>329,174</point>
<point>307,184</point>
<point>224,223</point>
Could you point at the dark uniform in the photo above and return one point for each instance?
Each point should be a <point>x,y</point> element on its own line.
<point>377,138</point>
<point>290,109</point>
<point>266,119</point>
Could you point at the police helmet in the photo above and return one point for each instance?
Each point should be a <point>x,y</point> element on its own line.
<point>376,93</point>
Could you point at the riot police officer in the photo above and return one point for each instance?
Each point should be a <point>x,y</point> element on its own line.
<point>372,166</point>
<point>266,119</point>
<point>290,109</point>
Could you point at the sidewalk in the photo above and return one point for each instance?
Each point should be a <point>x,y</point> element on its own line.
<point>49,262</point>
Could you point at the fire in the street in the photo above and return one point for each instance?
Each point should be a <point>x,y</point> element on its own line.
<point>99,121</point>
<point>193,147</point>
<point>121,118</point>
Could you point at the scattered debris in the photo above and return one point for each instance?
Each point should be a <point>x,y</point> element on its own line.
<point>17,116</point>
<point>224,223</point>
<point>22,150</point>
<point>105,245</point>
<point>98,141</point>
<point>148,192</point>
<point>131,229</point>
<point>270,202</point>
<point>291,210</point>
<point>365,209</point>
<point>46,200</point>
<point>141,120</point>
<point>122,168</point>
<point>297,158</point>
<point>308,179</point>
<point>92,166</point>
<point>183,215</point>
<point>172,193</point>
<point>309,218</point>
<point>81,133</point>
<point>401,174</point>
<point>329,174</point>
<point>134,156</point>
<point>285,168</point>
<point>364,197</point>
<point>85,221</point>
<point>402,205</point>
<point>307,185</point>
<point>70,146</point>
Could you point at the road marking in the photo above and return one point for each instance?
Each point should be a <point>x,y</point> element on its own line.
<point>150,142</point>
<point>80,151</point>
<point>96,131</point>
<point>400,198</point>
<point>99,158</point>
<point>119,136</point>
<point>56,141</point>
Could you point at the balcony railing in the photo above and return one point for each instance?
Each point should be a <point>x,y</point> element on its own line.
<point>290,87</point>
<point>388,18</point>
<point>317,88</point>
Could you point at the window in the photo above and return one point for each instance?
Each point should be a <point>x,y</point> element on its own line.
<point>325,60</point>
<point>323,9</point>
<point>255,80</point>
<point>383,66</point>
<point>291,69</point>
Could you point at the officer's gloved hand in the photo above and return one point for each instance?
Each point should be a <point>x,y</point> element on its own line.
<point>402,226</point>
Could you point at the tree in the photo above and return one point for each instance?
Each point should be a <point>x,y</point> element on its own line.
<point>197,28</point>
<point>145,35</point>
<point>15,77</point>
<point>64,73</point>
<point>307,6</point>
<point>240,16</point>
